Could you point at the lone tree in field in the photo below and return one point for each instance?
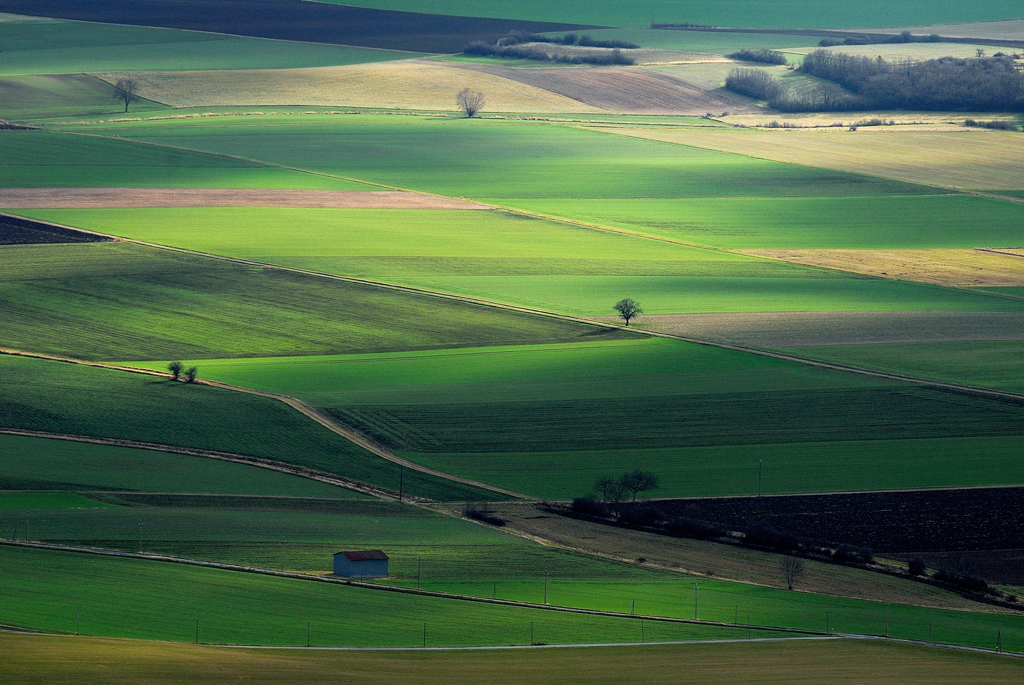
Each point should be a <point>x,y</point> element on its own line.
<point>628,308</point>
<point>470,101</point>
<point>191,373</point>
<point>175,369</point>
<point>638,481</point>
<point>792,570</point>
<point>126,89</point>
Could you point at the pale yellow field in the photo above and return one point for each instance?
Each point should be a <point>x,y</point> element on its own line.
<point>408,84</point>
<point>909,51</point>
<point>959,158</point>
<point>1011,29</point>
<point>961,268</point>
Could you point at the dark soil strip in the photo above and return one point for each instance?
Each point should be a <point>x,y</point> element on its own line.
<point>957,520</point>
<point>291,20</point>
<point>14,231</point>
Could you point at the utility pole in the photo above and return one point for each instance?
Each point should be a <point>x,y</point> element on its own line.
<point>642,631</point>
<point>695,589</point>
<point>197,631</point>
<point>494,595</point>
<point>826,623</point>
<point>758,477</point>
<point>419,569</point>
<point>531,632</point>
<point>545,587</point>
<point>424,633</point>
<point>633,610</point>
<point>307,633</point>
<point>282,554</point>
<point>887,619</point>
<point>140,536</point>
<point>401,479</point>
<point>78,618</point>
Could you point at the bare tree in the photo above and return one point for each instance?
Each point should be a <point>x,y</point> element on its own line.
<point>627,309</point>
<point>637,481</point>
<point>611,489</point>
<point>126,89</point>
<point>191,373</point>
<point>470,101</point>
<point>175,369</point>
<point>792,570</point>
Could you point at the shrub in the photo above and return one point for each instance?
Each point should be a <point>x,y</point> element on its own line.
<point>690,528</point>
<point>479,512</point>
<point>590,506</point>
<point>763,56</point>
<point>916,566</point>
<point>963,582</point>
<point>845,554</point>
<point>764,536</point>
<point>997,125</point>
<point>755,84</point>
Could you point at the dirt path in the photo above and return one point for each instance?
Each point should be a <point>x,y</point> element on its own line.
<point>90,198</point>
<point>302,408</point>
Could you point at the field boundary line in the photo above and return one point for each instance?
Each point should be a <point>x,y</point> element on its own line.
<point>582,645</point>
<point>146,556</point>
<point>299,406</point>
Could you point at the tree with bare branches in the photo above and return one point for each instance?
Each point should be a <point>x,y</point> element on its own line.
<point>628,308</point>
<point>792,570</point>
<point>175,368</point>
<point>470,101</point>
<point>126,90</point>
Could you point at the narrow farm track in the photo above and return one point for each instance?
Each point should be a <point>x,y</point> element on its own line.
<point>297,405</point>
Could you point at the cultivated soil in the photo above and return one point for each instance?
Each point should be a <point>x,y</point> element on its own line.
<point>910,523</point>
<point>88,198</point>
<point>624,90</point>
<point>15,231</point>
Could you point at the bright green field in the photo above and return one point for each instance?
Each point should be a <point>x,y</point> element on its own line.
<point>505,258</point>
<point>69,398</point>
<point>41,464</point>
<point>129,598</point>
<point>702,41</point>
<point>990,364</point>
<point>47,501</point>
<point>549,420</point>
<point>45,159</point>
<point>739,13</point>
<point>65,47</point>
<point>51,590</point>
<point>122,300</point>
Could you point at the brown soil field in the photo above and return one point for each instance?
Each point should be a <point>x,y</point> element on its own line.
<point>717,560</point>
<point>15,231</point>
<point>622,89</point>
<point>290,20</point>
<point>906,523</point>
<point>962,158</point>
<point>794,329</point>
<point>84,198</point>
<point>404,84</point>
<point>97,661</point>
<point>958,268</point>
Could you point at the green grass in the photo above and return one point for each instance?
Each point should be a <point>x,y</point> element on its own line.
<point>42,464</point>
<point>505,258</point>
<point>48,500</point>
<point>68,398</point>
<point>549,420</point>
<point>62,47</point>
<point>122,300</point>
<point>740,13</point>
<point>97,661</point>
<point>702,41</point>
<point>130,598</point>
<point>70,95</point>
<point>46,159</point>
<point>990,364</point>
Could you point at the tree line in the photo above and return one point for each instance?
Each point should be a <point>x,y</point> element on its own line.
<point>983,84</point>
<point>522,45</point>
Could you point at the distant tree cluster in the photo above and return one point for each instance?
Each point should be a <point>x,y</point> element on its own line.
<point>998,125</point>
<point>633,482</point>
<point>520,45</point>
<point>179,372</point>
<point>761,85</point>
<point>763,56</point>
<point>877,39</point>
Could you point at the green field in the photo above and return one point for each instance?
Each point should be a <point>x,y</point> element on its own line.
<point>68,95</point>
<point>990,364</point>
<point>65,47</point>
<point>507,258</point>
<point>98,662</point>
<point>738,13</point>
<point>45,159</point>
<point>60,465</point>
<point>549,420</point>
<point>69,398</point>
<point>142,599</point>
<point>122,300</point>
<point>46,501</point>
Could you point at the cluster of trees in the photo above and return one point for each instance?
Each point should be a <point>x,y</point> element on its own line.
<point>876,39</point>
<point>178,372</point>
<point>480,512</point>
<point>988,84</point>
<point>949,83</point>
<point>997,124</point>
<point>763,56</point>
<point>520,37</point>
<point>633,482</point>
<point>481,49</point>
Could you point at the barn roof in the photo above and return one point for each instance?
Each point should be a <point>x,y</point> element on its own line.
<point>365,555</point>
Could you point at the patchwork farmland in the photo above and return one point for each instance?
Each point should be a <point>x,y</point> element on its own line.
<point>287,278</point>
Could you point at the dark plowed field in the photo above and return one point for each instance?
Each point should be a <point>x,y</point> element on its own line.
<point>983,527</point>
<point>15,231</point>
<point>628,91</point>
<point>289,20</point>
